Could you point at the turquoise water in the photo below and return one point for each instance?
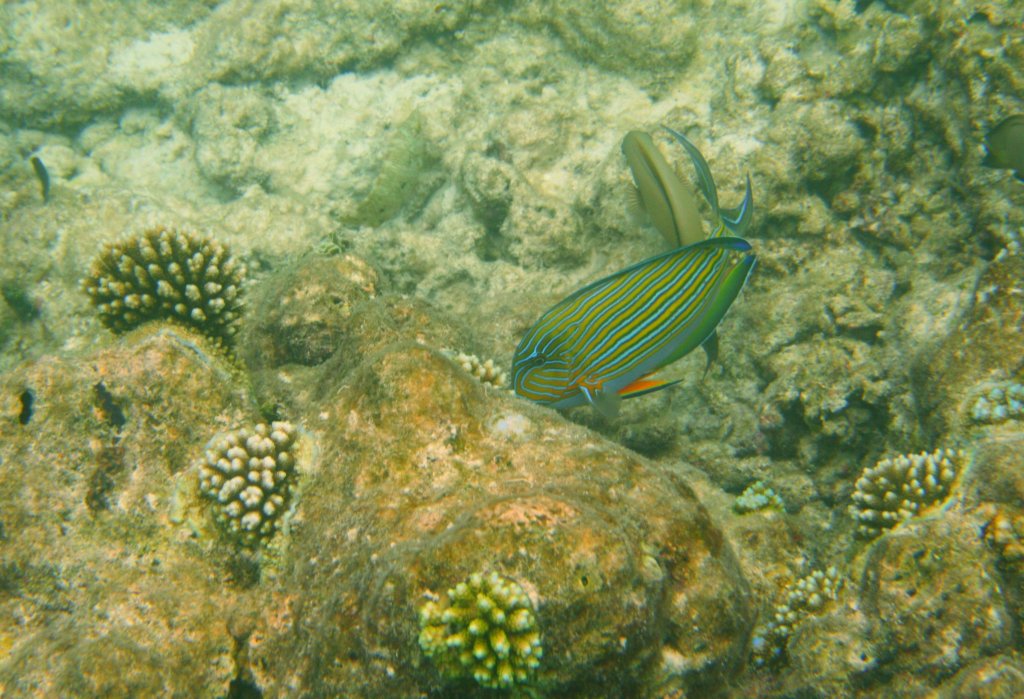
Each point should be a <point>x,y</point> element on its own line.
<point>385,198</point>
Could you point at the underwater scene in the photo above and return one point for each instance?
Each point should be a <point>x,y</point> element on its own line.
<point>655,349</point>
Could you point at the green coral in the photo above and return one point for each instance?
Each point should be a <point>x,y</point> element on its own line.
<point>487,631</point>
<point>167,274</point>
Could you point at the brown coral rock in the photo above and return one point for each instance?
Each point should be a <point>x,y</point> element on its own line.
<point>103,594</point>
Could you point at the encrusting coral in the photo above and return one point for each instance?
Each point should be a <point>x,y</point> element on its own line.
<point>249,476</point>
<point>167,274</point>
<point>488,632</point>
<point>901,487</point>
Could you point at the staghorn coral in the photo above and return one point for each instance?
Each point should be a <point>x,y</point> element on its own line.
<point>167,274</point>
<point>901,487</point>
<point>488,632</point>
<point>249,476</point>
<point>806,596</point>
<point>757,496</point>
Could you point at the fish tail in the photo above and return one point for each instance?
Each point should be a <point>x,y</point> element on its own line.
<point>705,180</point>
<point>738,220</point>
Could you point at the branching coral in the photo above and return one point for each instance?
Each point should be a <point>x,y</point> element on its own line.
<point>901,487</point>
<point>249,475</point>
<point>1005,533</point>
<point>809,595</point>
<point>167,274</point>
<point>487,631</point>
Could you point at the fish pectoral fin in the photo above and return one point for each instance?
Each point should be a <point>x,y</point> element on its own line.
<point>635,205</point>
<point>605,402</point>
<point>710,347</point>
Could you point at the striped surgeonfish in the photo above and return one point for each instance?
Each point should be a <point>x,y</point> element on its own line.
<point>602,343</point>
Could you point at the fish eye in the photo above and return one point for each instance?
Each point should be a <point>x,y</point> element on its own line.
<point>538,360</point>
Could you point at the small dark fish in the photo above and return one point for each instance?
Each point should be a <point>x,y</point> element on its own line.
<point>42,174</point>
<point>1004,146</point>
<point>28,397</point>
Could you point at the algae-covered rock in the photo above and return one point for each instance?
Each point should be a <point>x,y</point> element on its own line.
<point>998,677</point>
<point>228,126</point>
<point>104,593</point>
<point>987,346</point>
<point>304,310</point>
<point>933,599</point>
<point>629,36</point>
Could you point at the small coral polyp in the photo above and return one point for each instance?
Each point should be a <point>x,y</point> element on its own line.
<point>164,274</point>
<point>248,475</point>
<point>487,631</point>
<point>901,487</point>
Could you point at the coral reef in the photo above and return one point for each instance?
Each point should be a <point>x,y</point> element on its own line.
<point>898,488</point>
<point>462,159</point>
<point>757,496</point>
<point>170,275</point>
<point>249,477</point>
<point>808,595</point>
<point>487,631</point>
